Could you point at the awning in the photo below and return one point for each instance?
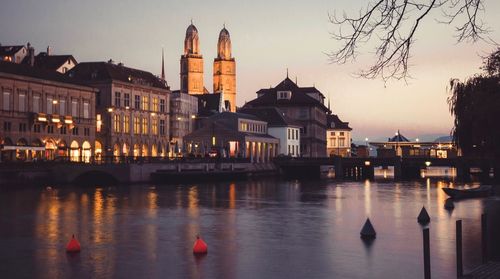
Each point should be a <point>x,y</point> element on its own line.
<point>16,147</point>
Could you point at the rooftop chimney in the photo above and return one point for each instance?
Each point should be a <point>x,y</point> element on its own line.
<point>31,55</point>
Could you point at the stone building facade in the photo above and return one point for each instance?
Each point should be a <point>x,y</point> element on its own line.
<point>192,63</point>
<point>45,115</point>
<point>225,70</point>
<point>132,110</point>
<point>233,135</point>
<point>304,105</point>
<point>183,113</point>
<point>338,137</point>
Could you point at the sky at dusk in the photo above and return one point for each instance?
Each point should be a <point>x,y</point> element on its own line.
<point>267,38</point>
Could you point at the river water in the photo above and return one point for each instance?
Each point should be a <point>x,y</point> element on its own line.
<point>269,228</point>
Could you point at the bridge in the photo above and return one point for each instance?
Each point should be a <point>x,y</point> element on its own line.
<point>404,168</point>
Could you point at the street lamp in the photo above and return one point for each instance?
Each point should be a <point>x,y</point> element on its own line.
<point>367,148</point>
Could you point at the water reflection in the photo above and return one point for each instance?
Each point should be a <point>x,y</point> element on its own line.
<point>254,229</point>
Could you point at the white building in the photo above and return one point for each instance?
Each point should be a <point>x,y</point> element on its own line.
<point>338,137</point>
<point>280,127</point>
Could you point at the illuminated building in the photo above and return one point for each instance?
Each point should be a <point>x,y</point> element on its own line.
<point>281,127</point>
<point>304,105</point>
<point>338,137</point>
<point>133,107</point>
<point>183,112</point>
<point>233,135</point>
<point>224,68</point>
<point>45,115</point>
<point>399,145</point>
<point>15,54</point>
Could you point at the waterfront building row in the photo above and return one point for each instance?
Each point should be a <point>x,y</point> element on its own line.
<point>45,115</point>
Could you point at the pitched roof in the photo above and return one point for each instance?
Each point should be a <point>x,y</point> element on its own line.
<point>215,128</point>
<point>52,62</point>
<point>398,138</point>
<point>268,97</point>
<point>105,71</point>
<point>235,115</point>
<point>208,104</point>
<point>333,121</point>
<point>273,116</point>
<point>33,72</point>
<point>9,50</point>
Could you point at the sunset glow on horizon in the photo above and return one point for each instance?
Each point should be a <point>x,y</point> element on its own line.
<point>267,39</point>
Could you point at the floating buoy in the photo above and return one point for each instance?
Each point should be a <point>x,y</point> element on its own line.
<point>368,232</point>
<point>423,217</point>
<point>200,247</point>
<point>73,245</point>
<point>449,204</point>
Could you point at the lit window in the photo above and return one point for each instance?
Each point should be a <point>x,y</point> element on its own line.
<point>145,103</point>
<point>154,126</point>
<point>145,129</point>
<point>137,125</point>
<point>126,124</point>
<point>155,104</point>
<point>116,123</point>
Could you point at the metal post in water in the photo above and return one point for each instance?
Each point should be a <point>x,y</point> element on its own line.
<point>460,268</point>
<point>427,254</point>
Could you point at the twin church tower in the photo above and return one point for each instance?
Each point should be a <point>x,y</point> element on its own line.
<point>224,71</point>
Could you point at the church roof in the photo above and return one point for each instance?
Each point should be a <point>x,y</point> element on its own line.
<point>224,33</point>
<point>268,97</point>
<point>105,71</point>
<point>191,30</point>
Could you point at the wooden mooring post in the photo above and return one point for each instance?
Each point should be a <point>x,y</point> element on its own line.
<point>427,254</point>
<point>484,237</point>
<point>460,268</point>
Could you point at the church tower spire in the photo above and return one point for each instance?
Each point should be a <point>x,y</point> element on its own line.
<point>162,65</point>
<point>192,63</point>
<point>225,69</point>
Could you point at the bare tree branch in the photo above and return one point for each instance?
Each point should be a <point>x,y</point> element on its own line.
<point>394,24</point>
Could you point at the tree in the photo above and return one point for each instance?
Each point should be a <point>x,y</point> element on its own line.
<point>475,104</point>
<point>393,25</point>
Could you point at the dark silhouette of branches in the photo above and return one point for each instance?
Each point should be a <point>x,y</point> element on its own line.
<point>393,25</point>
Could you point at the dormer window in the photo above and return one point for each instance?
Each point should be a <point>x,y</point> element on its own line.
<point>284,95</point>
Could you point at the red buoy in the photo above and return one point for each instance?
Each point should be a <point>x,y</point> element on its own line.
<point>73,245</point>
<point>200,247</point>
